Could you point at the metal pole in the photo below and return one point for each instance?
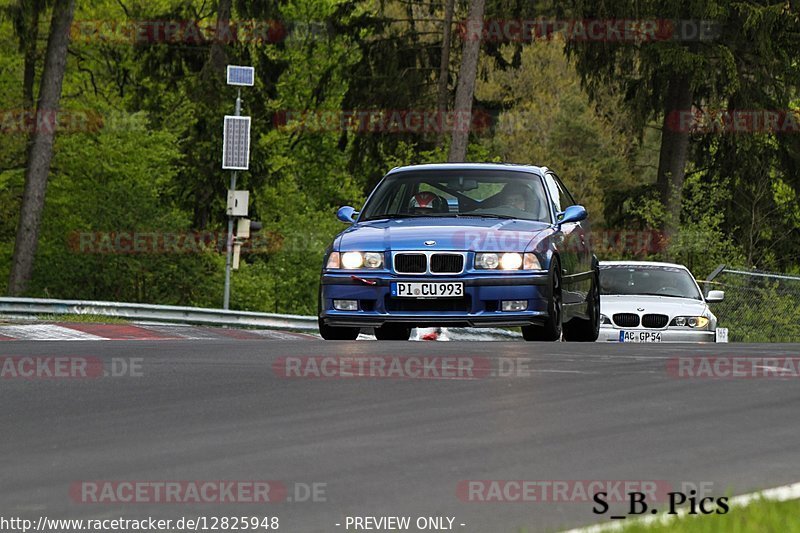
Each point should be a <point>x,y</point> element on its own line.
<point>226,298</point>
<point>762,274</point>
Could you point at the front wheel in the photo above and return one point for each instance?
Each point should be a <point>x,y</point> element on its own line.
<point>330,333</point>
<point>551,330</point>
<point>586,330</point>
<point>392,333</point>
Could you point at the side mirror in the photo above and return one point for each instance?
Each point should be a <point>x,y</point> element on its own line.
<point>347,214</point>
<point>574,213</point>
<point>715,296</point>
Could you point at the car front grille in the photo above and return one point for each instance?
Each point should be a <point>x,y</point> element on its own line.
<point>431,304</point>
<point>626,320</point>
<point>654,321</point>
<point>433,263</point>
<point>410,263</point>
<point>447,263</point>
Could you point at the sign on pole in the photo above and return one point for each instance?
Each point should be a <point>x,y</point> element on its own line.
<point>236,143</point>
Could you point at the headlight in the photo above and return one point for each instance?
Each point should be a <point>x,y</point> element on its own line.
<point>604,319</point>
<point>351,260</point>
<point>373,260</point>
<point>506,261</point>
<point>354,260</point>
<point>696,322</point>
<point>487,261</point>
<point>511,261</point>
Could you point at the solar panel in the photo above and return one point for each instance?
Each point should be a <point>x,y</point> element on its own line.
<point>236,143</point>
<point>240,75</point>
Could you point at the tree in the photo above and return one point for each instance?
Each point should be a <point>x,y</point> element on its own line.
<point>41,151</point>
<point>674,148</point>
<point>25,17</point>
<point>660,74</point>
<point>547,118</point>
<point>444,62</point>
<point>466,80</point>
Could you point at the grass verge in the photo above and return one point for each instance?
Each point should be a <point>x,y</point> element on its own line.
<point>102,319</point>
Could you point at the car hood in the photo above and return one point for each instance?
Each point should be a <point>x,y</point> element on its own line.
<point>488,234</point>
<point>611,304</point>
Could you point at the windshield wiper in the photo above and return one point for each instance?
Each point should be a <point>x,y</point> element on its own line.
<point>390,216</point>
<point>486,215</point>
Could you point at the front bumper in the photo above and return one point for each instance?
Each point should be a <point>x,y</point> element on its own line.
<point>480,305</point>
<point>611,334</point>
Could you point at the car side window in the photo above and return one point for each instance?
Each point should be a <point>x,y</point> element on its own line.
<point>395,203</point>
<point>566,198</point>
<point>559,195</point>
<point>393,199</point>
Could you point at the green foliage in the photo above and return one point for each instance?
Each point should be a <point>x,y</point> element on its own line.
<point>549,120</point>
<point>592,116</point>
<point>104,184</point>
<point>759,312</point>
<point>83,319</point>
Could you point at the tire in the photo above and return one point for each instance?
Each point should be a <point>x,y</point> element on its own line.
<point>551,330</point>
<point>392,332</point>
<point>330,333</point>
<point>582,330</point>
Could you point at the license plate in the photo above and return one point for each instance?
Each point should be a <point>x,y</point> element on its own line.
<point>403,289</point>
<point>639,336</point>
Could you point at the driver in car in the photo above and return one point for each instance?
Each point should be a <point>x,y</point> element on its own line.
<point>426,202</point>
<point>515,195</point>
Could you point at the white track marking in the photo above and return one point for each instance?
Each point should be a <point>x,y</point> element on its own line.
<point>182,332</point>
<point>47,332</point>
<point>53,332</point>
<point>777,494</point>
<point>278,335</point>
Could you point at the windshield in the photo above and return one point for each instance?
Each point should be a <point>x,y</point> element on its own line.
<point>648,280</point>
<point>468,193</point>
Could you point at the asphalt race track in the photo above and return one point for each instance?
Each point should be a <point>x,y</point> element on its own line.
<point>216,410</point>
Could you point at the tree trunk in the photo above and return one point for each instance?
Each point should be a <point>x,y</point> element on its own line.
<point>673,154</point>
<point>466,82</point>
<point>41,152</point>
<point>444,63</point>
<point>29,75</point>
<point>223,37</point>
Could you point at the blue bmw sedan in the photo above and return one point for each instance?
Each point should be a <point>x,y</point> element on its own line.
<point>467,245</point>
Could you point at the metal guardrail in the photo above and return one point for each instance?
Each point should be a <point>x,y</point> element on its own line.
<point>199,315</point>
<point>165,313</point>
